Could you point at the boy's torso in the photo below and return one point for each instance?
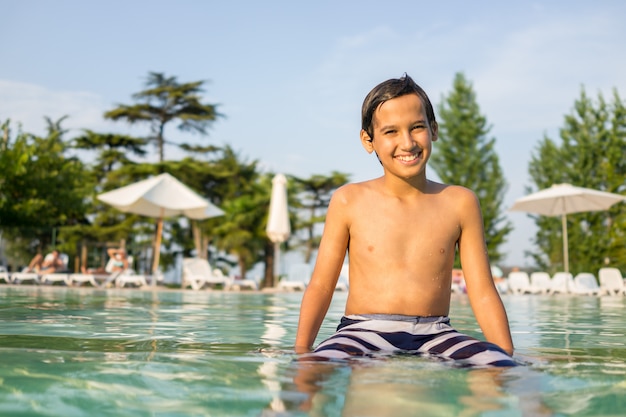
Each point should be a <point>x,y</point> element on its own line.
<point>402,250</point>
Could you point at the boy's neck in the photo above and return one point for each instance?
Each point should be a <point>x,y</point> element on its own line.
<point>403,186</point>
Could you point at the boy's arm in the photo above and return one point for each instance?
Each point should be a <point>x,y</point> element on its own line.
<point>315,303</point>
<point>483,295</point>
<point>319,292</point>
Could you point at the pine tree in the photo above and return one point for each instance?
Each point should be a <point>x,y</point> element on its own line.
<point>164,101</point>
<point>464,155</point>
<point>315,194</point>
<point>591,155</point>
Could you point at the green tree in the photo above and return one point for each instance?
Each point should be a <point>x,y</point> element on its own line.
<point>42,190</point>
<point>112,150</point>
<point>590,154</point>
<point>112,167</point>
<point>465,155</point>
<point>164,101</point>
<point>314,195</point>
<point>244,195</point>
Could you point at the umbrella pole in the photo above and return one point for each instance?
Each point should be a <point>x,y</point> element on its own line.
<point>276,262</point>
<point>157,250</point>
<point>565,243</point>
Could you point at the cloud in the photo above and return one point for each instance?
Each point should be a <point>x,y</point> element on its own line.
<point>531,77</point>
<point>28,104</point>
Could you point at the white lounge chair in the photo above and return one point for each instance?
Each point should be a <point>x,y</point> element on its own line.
<point>519,282</point>
<point>298,277</point>
<point>561,283</point>
<point>540,282</point>
<point>4,275</point>
<point>54,277</point>
<point>129,277</point>
<point>36,278</point>
<point>611,281</point>
<point>21,277</point>
<point>98,279</point>
<point>80,279</point>
<point>235,284</point>
<point>585,283</point>
<point>197,273</point>
<point>60,275</point>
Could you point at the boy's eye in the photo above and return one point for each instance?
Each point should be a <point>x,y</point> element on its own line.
<point>389,132</point>
<point>418,127</point>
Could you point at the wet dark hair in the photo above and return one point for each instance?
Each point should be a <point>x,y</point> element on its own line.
<point>387,90</point>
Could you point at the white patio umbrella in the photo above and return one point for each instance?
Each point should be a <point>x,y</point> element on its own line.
<point>278,228</point>
<point>160,196</point>
<point>563,199</point>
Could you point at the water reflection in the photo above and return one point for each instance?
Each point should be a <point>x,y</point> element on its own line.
<point>405,385</point>
<point>273,336</point>
<point>71,351</point>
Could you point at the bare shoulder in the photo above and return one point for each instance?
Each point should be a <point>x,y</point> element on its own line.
<point>460,194</point>
<point>353,192</point>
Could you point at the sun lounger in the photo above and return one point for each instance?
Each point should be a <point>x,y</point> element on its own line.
<point>540,282</point>
<point>561,283</point>
<point>197,274</point>
<point>54,277</point>
<point>21,277</point>
<point>611,281</point>
<point>297,278</point>
<point>126,277</point>
<point>251,283</point>
<point>4,275</point>
<point>519,282</point>
<point>585,283</point>
<point>235,284</point>
<point>96,279</point>
<point>129,277</point>
<point>80,279</point>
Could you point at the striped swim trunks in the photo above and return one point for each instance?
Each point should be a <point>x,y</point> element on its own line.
<point>369,334</point>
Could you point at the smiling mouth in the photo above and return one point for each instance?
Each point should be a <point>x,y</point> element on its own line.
<point>409,158</point>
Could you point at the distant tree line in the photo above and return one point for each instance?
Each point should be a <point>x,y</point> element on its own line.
<point>48,193</point>
<point>592,154</point>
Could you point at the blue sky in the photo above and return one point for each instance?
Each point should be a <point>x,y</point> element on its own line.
<point>291,76</point>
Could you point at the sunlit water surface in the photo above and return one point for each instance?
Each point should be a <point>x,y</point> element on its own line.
<point>79,352</point>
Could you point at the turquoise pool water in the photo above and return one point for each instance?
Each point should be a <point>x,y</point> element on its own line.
<point>85,352</point>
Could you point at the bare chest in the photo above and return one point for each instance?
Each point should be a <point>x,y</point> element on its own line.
<point>397,229</point>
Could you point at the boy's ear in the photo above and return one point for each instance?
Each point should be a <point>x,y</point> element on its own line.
<point>434,129</point>
<point>366,141</point>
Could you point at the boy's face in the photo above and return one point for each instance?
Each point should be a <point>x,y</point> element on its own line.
<point>402,136</point>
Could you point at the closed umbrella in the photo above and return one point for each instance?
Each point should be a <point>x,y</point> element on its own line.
<point>563,199</point>
<point>160,196</point>
<point>278,227</point>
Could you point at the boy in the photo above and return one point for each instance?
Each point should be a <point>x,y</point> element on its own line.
<point>401,231</point>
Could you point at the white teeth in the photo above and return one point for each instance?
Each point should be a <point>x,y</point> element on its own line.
<point>407,158</point>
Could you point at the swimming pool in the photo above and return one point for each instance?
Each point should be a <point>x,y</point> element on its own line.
<point>78,351</point>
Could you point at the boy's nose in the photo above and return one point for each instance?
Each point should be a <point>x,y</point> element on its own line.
<point>407,140</point>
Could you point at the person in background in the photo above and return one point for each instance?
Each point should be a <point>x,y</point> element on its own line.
<point>49,264</point>
<point>118,262</point>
